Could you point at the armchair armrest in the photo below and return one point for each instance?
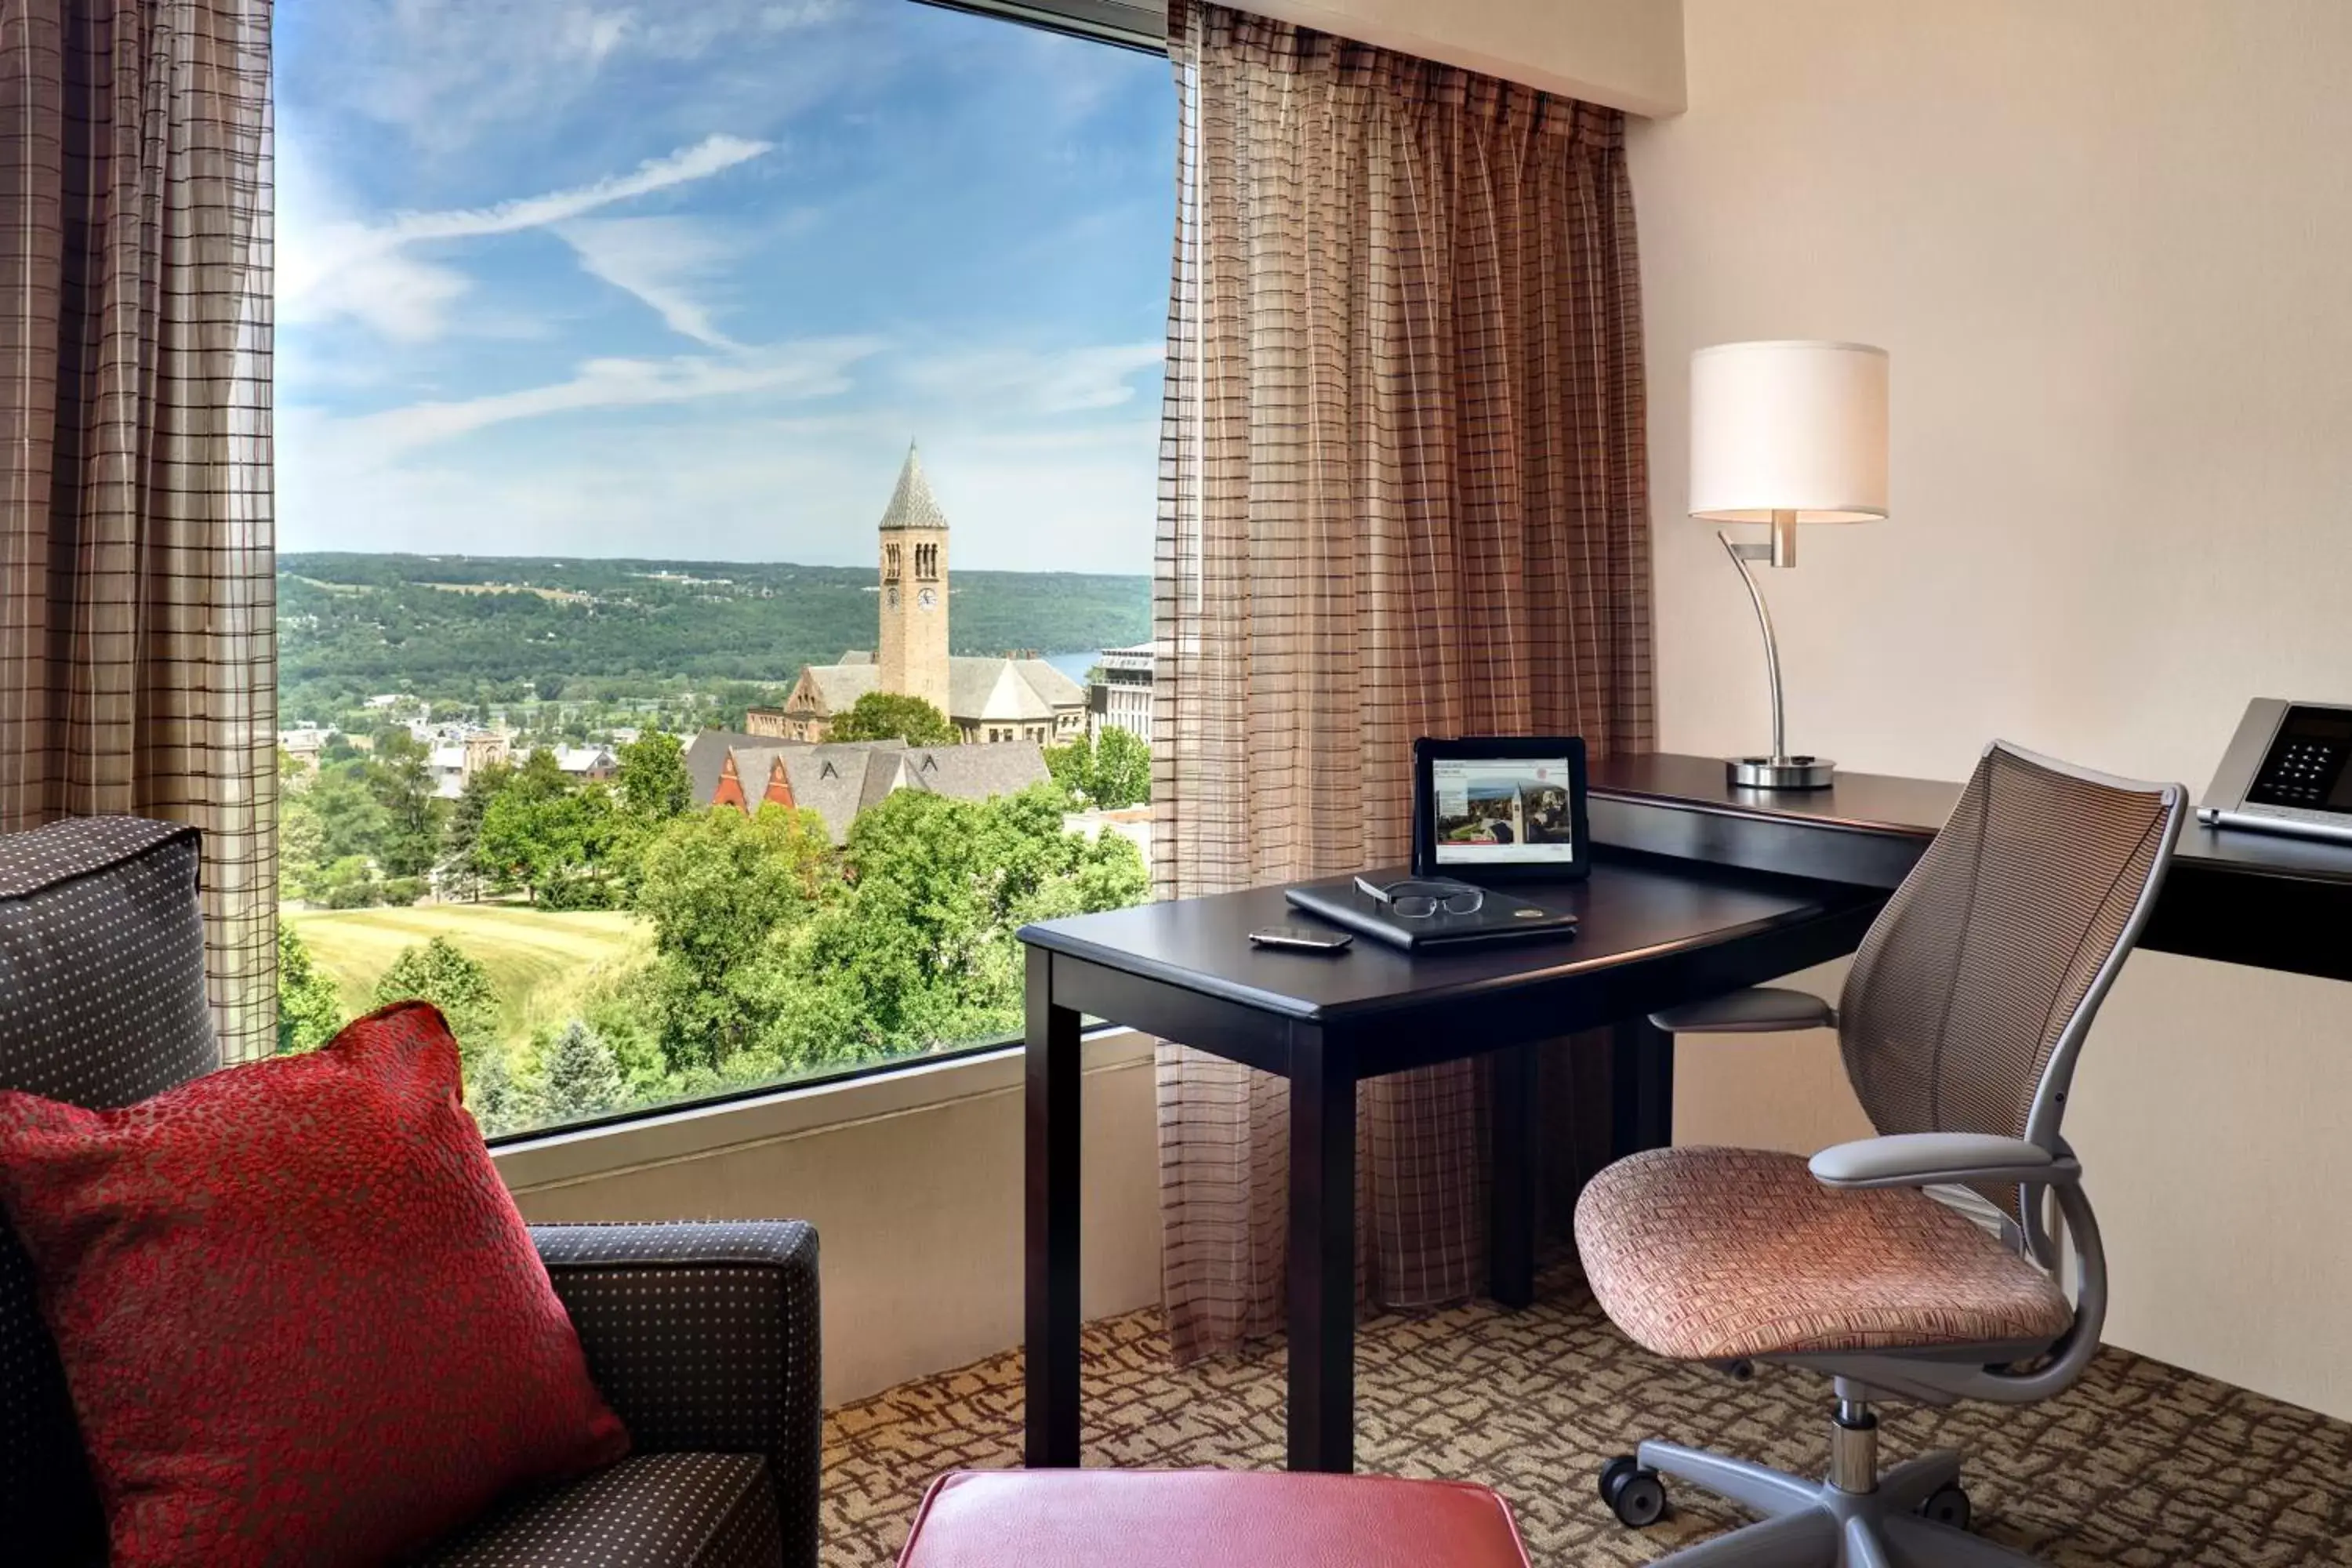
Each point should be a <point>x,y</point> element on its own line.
<point>1931,1159</point>
<point>704,1338</point>
<point>1759,1010</point>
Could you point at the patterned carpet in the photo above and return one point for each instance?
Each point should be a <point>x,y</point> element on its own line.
<point>2140,1465</point>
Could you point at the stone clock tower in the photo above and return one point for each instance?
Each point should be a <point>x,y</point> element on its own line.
<point>914,650</point>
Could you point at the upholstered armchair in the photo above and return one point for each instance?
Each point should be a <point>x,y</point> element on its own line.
<point>703,1337</point>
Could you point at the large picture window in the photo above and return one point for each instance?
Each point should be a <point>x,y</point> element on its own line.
<point>717,454</point>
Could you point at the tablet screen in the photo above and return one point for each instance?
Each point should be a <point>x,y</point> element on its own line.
<point>1514,811</point>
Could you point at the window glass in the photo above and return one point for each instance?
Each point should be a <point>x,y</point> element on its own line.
<point>716,449</point>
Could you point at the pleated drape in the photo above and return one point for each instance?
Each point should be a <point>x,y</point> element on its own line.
<point>137,662</point>
<point>1402,493</point>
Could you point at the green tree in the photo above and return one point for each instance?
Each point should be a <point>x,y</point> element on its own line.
<point>1119,774</point>
<point>400,777</point>
<point>309,1010</point>
<point>500,1101</point>
<point>717,886</point>
<point>653,783</point>
<point>545,834</point>
<point>887,716</point>
<point>583,1076</point>
<point>442,973</point>
<point>1072,764</point>
<point>465,867</point>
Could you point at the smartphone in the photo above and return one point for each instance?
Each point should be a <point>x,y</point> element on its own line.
<point>1301,938</point>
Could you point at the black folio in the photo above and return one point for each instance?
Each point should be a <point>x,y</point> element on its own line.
<point>1500,918</point>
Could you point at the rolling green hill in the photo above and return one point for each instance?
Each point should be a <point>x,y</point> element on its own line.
<point>508,628</point>
<point>539,960</point>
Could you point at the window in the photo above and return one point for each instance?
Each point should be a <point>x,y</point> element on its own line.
<point>637,369</point>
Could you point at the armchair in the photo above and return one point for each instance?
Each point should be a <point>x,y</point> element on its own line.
<point>703,1337</point>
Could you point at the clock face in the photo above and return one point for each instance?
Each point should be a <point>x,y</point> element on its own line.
<point>926,599</point>
<point>891,594</point>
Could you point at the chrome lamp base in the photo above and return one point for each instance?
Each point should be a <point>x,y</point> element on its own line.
<point>1781,773</point>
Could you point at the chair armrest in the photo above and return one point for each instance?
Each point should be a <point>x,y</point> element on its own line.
<point>1931,1159</point>
<point>704,1338</point>
<point>1760,1010</point>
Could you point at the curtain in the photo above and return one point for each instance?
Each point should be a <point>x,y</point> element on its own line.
<point>138,663</point>
<point>1402,493</point>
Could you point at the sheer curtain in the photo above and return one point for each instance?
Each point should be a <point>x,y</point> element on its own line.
<point>138,646</point>
<point>1402,492</point>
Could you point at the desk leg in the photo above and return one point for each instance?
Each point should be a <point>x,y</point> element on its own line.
<point>1641,1088</point>
<point>1511,1195</point>
<point>1322,1273</point>
<point>1051,1136</point>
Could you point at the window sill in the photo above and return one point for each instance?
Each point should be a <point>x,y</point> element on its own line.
<point>563,1157</point>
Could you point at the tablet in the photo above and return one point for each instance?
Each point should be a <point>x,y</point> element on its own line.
<point>1500,807</point>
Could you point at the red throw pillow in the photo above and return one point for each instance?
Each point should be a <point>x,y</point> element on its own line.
<point>300,1318</point>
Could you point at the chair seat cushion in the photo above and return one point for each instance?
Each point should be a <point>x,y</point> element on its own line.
<point>1710,1254</point>
<point>655,1510</point>
<point>1207,1518</point>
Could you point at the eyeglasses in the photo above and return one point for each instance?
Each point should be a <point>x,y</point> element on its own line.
<point>1420,901</point>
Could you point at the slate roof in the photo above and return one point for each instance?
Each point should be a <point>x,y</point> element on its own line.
<point>856,655</point>
<point>839,685</point>
<point>1050,683</point>
<point>911,504</point>
<point>706,754</point>
<point>975,771</point>
<point>839,781</point>
<point>832,781</point>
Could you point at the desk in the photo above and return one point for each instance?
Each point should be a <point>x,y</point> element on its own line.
<point>1651,936</point>
<point>2233,897</point>
<point>1698,889</point>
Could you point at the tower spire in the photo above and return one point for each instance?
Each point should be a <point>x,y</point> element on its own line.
<point>913,504</point>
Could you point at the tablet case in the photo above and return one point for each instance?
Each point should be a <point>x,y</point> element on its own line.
<point>1502,918</point>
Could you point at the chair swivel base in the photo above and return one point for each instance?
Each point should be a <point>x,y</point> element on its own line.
<point>1814,1524</point>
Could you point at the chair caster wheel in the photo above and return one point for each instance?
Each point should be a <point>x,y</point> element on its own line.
<point>1948,1505</point>
<point>1632,1493</point>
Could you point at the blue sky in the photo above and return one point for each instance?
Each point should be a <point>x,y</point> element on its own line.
<point>682,278</point>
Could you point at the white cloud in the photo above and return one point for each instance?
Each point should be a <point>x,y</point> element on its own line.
<point>1064,382</point>
<point>812,368</point>
<point>446,71</point>
<point>661,260</point>
<point>338,267</point>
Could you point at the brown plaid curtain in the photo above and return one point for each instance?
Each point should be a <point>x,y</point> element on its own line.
<point>1402,492</point>
<point>138,663</point>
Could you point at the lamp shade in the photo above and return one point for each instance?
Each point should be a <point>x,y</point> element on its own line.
<point>1790,427</point>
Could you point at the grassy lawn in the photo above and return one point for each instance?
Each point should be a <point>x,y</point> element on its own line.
<point>539,960</point>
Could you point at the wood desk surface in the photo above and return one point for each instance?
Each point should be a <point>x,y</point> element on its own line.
<point>2232,896</point>
<point>1907,807</point>
<point>1627,913</point>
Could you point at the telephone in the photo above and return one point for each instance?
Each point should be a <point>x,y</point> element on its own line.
<point>2288,770</point>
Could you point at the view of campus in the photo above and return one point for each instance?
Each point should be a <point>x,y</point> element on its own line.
<point>649,829</point>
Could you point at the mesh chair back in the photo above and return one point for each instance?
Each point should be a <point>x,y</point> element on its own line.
<point>1969,998</point>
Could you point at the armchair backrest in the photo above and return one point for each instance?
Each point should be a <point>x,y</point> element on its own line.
<point>1967,1004</point>
<point>102,1004</point>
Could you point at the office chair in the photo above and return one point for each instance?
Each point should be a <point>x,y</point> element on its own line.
<point>1961,1022</point>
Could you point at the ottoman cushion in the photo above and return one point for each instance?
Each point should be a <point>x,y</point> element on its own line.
<point>1207,1518</point>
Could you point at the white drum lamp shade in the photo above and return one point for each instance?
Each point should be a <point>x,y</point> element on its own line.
<point>1788,428</point>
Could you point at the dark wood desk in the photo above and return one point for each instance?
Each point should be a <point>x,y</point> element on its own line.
<point>2234,896</point>
<point>1699,889</point>
<point>1651,936</point>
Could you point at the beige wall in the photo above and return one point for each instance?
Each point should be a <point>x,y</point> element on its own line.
<point>1627,54</point>
<point>915,1190</point>
<point>2107,244</point>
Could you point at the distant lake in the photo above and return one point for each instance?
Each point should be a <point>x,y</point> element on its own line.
<point>1075,665</point>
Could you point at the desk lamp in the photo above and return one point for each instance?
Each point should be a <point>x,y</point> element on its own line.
<point>1784,433</point>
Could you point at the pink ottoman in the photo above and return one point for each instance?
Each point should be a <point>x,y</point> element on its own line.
<point>1207,1518</point>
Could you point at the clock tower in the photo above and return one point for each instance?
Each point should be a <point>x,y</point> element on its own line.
<point>914,564</point>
